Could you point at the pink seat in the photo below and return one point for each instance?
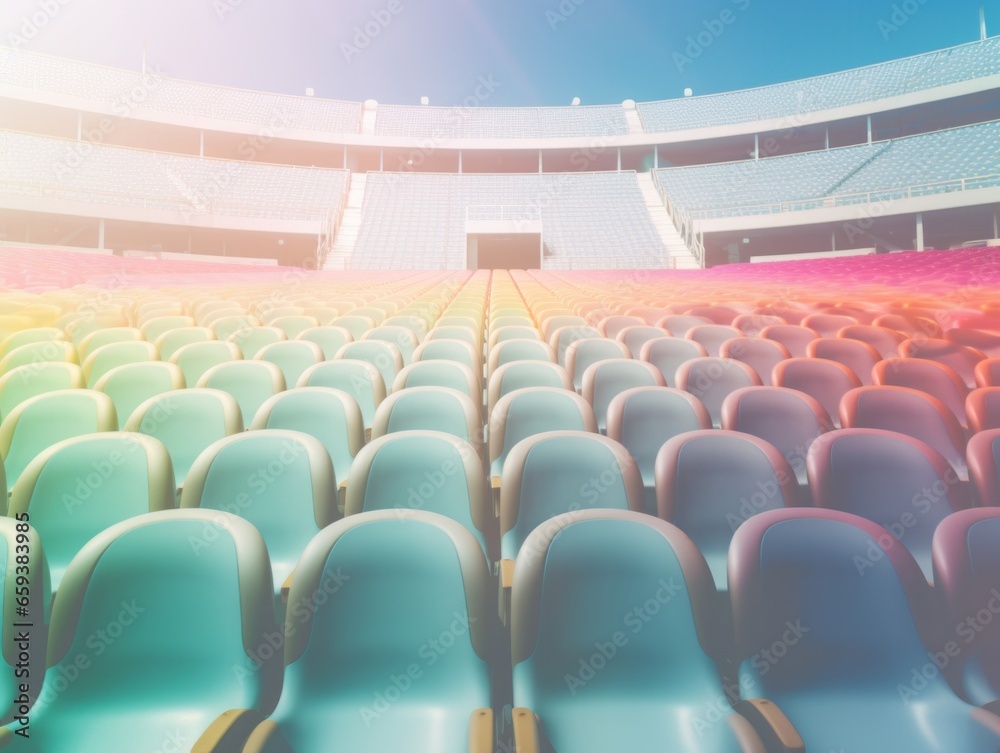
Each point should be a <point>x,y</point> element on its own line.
<point>794,337</point>
<point>928,376</point>
<point>961,358</point>
<point>826,381</point>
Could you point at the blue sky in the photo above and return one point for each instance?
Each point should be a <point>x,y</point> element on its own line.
<point>536,52</point>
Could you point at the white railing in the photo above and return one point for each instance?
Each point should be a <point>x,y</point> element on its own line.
<point>865,197</point>
<point>503,213</point>
<point>692,236</point>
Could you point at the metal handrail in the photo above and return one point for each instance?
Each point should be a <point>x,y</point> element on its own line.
<point>689,231</point>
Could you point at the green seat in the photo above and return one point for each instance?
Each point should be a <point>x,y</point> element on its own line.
<point>154,328</point>
<point>294,325</point>
<point>197,358</point>
<point>519,349</point>
<point>46,351</point>
<point>106,336</point>
<point>449,350</point>
<point>186,422</point>
<point>416,324</point>
<point>231,325</point>
<point>250,382</point>
<point>28,336</point>
<point>329,338</point>
<point>169,342</point>
<point>395,592</point>
<point>111,356</point>
<point>332,416</point>
<point>469,334</point>
<point>603,380</point>
<point>36,379</point>
<point>79,487</point>
<point>82,323</point>
<point>384,356</point>
<point>424,470</point>
<point>430,409</point>
<point>355,324</point>
<point>439,374</point>
<point>359,379</point>
<point>521,374</point>
<point>281,481</point>
<point>169,611</point>
<point>252,339</point>
<point>42,421</point>
<point>293,357</point>
<point>402,337</point>
<point>582,354</point>
<point>131,385</point>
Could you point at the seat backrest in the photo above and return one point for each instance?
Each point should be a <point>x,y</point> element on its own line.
<point>250,382</point>
<point>635,337</point>
<point>752,324</point>
<point>678,325</point>
<point>197,358</point>
<point>384,356</point>
<point>450,374</point>
<point>858,356</point>
<point>329,338</point>
<point>107,357</point>
<point>960,358</point>
<point>927,376</point>
<point>711,379</point>
<point>402,337</point>
<point>712,336</point>
<point>45,351</point>
<point>168,343</point>
<point>561,337</point>
<point>521,374</point>
<point>828,325</point>
<point>982,406</point>
<point>252,339</point>
<point>884,339</point>
<point>983,455</point>
<point>610,326</point>
<point>582,354</point>
<point>294,324</point>
<point>449,350</point>
<point>709,482</point>
<point>603,380</point>
<point>131,385</point>
<point>429,409</point>
<point>794,337</point>
<point>510,351</point>
<point>823,380</point>
<point>31,380</point>
<point>293,357</point>
<point>759,354</point>
<point>359,379</point>
<point>186,422</point>
<point>356,324</point>
<point>562,471</point>
<point>668,353</point>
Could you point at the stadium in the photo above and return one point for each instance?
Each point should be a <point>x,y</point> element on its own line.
<point>347,424</point>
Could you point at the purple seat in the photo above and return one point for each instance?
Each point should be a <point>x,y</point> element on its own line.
<point>982,406</point>
<point>711,336</point>
<point>825,381</point>
<point>678,324</point>
<point>987,373</point>
<point>884,339</point>
<point>859,357</point>
<point>961,358</point>
<point>983,454</point>
<point>793,336</point>
<point>759,354</point>
<point>927,376</point>
<point>711,379</point>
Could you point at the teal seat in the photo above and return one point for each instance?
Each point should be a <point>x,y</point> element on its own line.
<point>359,379</point>
<point>402,337</point>
<point>709,482</point>
<point>79,487</point>
<point>384,356</point>
<point>582,354</point>
<point>131,385</point>
<point>510,351</point>
<point>171,341</point>
<point>330,415</point>
<point>252,383</point>
<point>232,326</point>
<point>42,421</point>
<point>861,635</point>
<point>154,327</point>
<point>465,333</point>
<point>46,351</point>
<point>366,664</point>
<point>530,411</point>
<point>644,418</point>
<point>113,355</point>
<point>281,481</point>
<point>33,569</point>
<point>36,379</point>
<point>636,336</point>
<point>505,333</point>
<point>424,470</point>
<point>668,354</point>
<point>616,641</point>
<point>186,422</point>
<point>449,374</point>
<point>330,339</point>
<point>562,337</point>
<point>356,324</point>
<point>106,336</point>
<point>521,374</point>
<point>197,358</point>
<point>157,631</point>
<point>430,409</point>
<point>416,324</point>
<point>562,471</point>
<point>604,380</point>
<point>449,350</point>
<point>294,324</point>
<point>293,357</point>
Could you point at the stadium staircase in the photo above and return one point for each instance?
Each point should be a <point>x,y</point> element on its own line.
<point>350,225</point>
<point>679,255</point>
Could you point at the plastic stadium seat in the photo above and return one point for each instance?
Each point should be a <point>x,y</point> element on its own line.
<point>373,312</point>
<point>36,379</point>
<point>723,315</point>
<point>668,354</point>
<point>18,690</point>
<point>709,482</point>
<point>794,337</point>
<point>449,350</point>
<point>197,358</point>
<point>510,351</point>
<point>891,479</point>
<point>987,373</point>
<point>389,586</point>
<point>47,351</point>
<point>131,385</point>
<point>824,380</point>
<point>582,354</point>
<point>169,342</point>
<point>984,466</point>
<point>384,356</point>
<point>610,326</point>
<point>467,334</point>
<point>281,481</point>
<point>985,342</point>
<point>886,341</point>
<point>252,383</point>
<point>962,359</point>
<point>562,337</point>
<point>29,336</point>
<point>711,379</point>
<point>502,334</point>
<point>966,572</point>
<point>424,470</point>
<point>678,325</point>
<point>293,357</point>
<point>759,354</point>
<point>440,374</point>
<point>329,339</point>
<point>635,337</point>
<point>854,615</point>
<point>42,421</point>
<point>86,323</point>
<point>190,588</point>
<point>416,324</point>
<point>234,327</point>
<point>186,422</point>
<point>430,409</point>
<point>644,418</point>
<point>563,471</point>
<point>911,326</point>
<point>293,325</point>
<point>909,412</point>
<point>712,336</point>
<point>534,410</point>
<point>254,339</point>
<point>603,380</point>
<point>828,325</point>
<point>522,374</point>
<point>111,356</point>
<point>356,324</point>
<point>982,406</point>
<point>402,337</point>
<point>857,356</point>
<point>927,376</point>
<point>153,328</point>
<point>359,379</point>
<point>752,324</point>
<point>597,682</point>
<point>552,324</point>
<point>77,488</point>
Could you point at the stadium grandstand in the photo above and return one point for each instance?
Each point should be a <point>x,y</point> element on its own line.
<point>621,428</point>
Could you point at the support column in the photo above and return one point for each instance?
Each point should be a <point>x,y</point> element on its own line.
<point>539,161</point>
<point>833,240</point>
<point>381,159</point>
<point>619,159</point>
<point>79,126</point>
<point>100,234</point>
<point>756,146</point>
<point>996,224</point>
<point>656,157</point>
<point>345,156</point>
<point>459,161</point>
<point>201,143</point>
<point>869,119</point>
<point>827,139</point>
<point>920,232</point>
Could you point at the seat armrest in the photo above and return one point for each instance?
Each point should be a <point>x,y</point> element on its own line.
<point>770,722</point>
<point>228,732</point>
<point>481,732</point>
<point>525,731</point>
<point>495,489</point>
<point>286,587</point>
<point>506,581</point>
